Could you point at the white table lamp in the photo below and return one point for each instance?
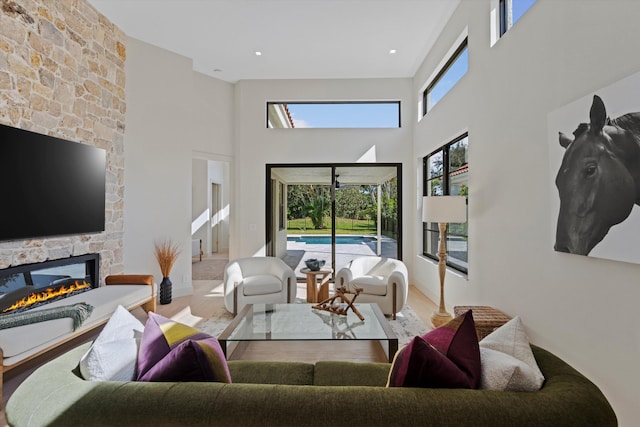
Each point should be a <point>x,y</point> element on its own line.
<point>443,210</point>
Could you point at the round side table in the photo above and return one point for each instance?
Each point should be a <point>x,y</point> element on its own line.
<point>317,292</point>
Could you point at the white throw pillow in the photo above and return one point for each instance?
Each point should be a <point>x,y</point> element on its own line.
<point>112,356</point>
<point>507,362</point>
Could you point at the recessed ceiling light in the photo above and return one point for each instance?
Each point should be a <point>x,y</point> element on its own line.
<point>392,51</point>
<point>258,53</point>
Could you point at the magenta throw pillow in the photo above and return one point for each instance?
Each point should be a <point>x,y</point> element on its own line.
<point>446,357</point>
<point>172,351</point>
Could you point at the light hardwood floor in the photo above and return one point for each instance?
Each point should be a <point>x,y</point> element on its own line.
<point>194,308</point>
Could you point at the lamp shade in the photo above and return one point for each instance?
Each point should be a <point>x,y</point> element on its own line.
<point>452,209</point>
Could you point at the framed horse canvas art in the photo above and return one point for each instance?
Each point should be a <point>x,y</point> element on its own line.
<point>595,163</point>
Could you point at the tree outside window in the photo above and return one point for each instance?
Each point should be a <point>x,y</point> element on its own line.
<point>445,173</point>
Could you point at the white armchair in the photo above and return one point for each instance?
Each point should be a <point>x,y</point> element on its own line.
<point>384,281</point>
<point>258,280</point>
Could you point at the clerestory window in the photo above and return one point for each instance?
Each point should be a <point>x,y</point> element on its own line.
<point>511,11</point>
<point>333,114</point>
<point>447,77</point>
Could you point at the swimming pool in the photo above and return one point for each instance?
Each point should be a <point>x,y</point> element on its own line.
<point>326,240</point>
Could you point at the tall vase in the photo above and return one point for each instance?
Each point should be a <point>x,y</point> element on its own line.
<point>165,291</point>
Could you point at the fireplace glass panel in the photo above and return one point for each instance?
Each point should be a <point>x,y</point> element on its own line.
<point>34,284</point>
<point>53,276</point>
<point>43,278</point>
<point>12,282</point>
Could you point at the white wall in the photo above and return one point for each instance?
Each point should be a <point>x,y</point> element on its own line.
<point>219,174</point>
<point>255,145</point>
<point>200,203</point>
<point>174,113</point>
<point>579,308</point>
<point>205,173</point>
<point>210,109</point>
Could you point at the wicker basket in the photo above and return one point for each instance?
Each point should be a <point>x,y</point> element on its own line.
<point>487,319</point>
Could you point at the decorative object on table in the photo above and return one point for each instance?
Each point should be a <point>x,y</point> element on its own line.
<point>166,253</point>
<point>443,210</point>
<point>345,303</point>
<point>314,264</point>
<point>341,328</point>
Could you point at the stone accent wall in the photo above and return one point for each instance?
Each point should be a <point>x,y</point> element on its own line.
<point>62,74</point>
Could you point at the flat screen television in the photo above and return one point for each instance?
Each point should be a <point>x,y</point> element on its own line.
<point>50,186</point>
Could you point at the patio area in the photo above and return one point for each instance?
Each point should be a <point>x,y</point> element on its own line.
<point>348,247</point>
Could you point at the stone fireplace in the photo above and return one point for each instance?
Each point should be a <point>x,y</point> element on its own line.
<point>32,285</point>
<point>62,74</point>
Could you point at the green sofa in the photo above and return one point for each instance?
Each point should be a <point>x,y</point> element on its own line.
<point>301,394</point>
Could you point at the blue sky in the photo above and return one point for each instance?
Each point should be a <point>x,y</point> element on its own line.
<point>520,7</point>
<point>345,115</point>
<point>450,78</point>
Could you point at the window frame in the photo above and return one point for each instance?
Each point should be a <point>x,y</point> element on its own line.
<point>426,227</point>
<point>272,104</point>
<point>282,218</point>
<point>452,59</point>
<point>503,8</point>
<point>504,24</point>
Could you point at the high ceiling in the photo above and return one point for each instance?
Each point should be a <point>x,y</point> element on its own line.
<point>298,39</point>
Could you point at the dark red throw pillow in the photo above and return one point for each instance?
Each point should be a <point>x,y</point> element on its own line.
<point>446,357</point>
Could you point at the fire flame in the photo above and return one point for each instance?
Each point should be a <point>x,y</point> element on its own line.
<point>47,294</point>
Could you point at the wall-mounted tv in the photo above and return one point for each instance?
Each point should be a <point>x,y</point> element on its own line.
<point>50,186</point>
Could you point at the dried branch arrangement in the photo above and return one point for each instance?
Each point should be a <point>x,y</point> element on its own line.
<point>166,253</point>
<point>344,302</point>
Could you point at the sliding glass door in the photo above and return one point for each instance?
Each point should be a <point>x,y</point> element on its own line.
<point>333,212</point>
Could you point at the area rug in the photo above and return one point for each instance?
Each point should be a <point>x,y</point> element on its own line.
<point>406,326</point>
<point>208,269</point>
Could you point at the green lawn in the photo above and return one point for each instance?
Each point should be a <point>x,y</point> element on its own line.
<point>343,226</point>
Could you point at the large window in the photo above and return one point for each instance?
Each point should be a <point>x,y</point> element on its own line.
<point>446,172</point>
<point>511,11</point>
<point>336,115</point>
<point>451,73</point>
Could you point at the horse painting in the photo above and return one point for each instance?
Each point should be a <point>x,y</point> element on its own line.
<point>599,178</point>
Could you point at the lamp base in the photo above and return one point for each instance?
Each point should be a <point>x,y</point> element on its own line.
<point>440,318</point>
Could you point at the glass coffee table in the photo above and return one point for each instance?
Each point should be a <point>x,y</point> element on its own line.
<point>300,322</point>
